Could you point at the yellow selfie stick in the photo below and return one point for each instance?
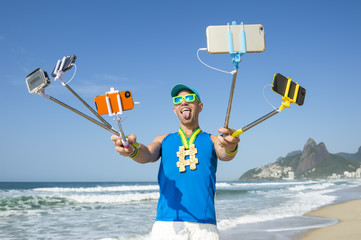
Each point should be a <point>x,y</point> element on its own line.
<point>285,104</point>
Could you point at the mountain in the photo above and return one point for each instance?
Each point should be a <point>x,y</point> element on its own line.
<point>351,156</point>
<point>311,155</point>
<point>314,161</point>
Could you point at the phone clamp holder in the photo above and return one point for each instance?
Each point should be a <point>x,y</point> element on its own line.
<point>236,56</point>
<point>59,73</point>
<point>287,100</point>
<point>117,115</point>
<point>236,59</point>
<point>43,94</point>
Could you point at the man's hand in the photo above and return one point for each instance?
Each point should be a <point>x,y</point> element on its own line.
<point>226,141</point>
<point>119,145</point>
<point>143,154</point>
<point>225,145</point>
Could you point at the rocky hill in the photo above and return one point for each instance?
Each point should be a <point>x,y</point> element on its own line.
<point>314,161</point>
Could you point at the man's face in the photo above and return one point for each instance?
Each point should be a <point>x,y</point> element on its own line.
<point>187,112</point>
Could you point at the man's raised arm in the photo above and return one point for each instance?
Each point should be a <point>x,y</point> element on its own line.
<point>142,154</point>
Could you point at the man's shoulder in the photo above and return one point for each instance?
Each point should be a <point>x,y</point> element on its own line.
<point>160,138</point>
<point>213,138</point>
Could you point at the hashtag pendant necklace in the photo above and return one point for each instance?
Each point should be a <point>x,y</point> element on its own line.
<point>188,149</point>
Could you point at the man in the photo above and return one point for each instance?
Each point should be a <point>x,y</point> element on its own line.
<point>187,172</point>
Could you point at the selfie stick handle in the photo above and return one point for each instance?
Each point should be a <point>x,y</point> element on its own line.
<point>236,60</point>
<point>82,114</point>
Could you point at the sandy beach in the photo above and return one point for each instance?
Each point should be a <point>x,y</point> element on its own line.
<point>349,226</point>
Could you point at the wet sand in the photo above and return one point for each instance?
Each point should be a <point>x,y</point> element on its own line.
<point>348,228</point>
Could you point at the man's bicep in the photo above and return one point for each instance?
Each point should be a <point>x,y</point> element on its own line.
<point>155,147</point>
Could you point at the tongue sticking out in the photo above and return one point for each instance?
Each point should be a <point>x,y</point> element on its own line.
<point>186,114</point>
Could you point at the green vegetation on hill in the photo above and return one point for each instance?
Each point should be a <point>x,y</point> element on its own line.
<point>290,161</point>
<point>313,162</point>
<point>352,156</point>
<point>330,165</point>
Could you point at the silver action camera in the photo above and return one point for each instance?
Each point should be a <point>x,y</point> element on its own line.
<point>37,81</point>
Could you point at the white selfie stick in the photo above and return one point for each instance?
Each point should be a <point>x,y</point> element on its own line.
<point>117,118</point>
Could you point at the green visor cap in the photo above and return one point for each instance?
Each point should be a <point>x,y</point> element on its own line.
<point>179,87</point>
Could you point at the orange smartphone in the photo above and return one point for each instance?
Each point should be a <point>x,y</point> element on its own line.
<point>125,98</point>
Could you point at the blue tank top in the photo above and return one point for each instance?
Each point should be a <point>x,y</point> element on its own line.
<point>189,195</point>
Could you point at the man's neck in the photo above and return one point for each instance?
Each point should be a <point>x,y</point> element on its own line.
<point>188,130</point>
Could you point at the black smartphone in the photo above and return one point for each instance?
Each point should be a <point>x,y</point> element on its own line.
<point>68,64</point>
<point>280,85</point>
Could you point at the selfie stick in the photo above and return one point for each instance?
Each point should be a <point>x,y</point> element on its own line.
<point>236,60</point>
<point>59,75</point>
<point>116,114</point>
<point>285,104</point>
<point>258,121</point>
<point>42,93</point>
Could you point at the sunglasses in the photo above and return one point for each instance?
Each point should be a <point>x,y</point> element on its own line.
<point>188,98</point>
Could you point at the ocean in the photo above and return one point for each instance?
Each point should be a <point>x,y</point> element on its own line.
<point>126,210</point>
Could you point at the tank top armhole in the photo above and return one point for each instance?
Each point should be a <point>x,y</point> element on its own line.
<point>210,139</point>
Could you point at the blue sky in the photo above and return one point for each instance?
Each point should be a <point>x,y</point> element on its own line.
<point>149,46</point>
